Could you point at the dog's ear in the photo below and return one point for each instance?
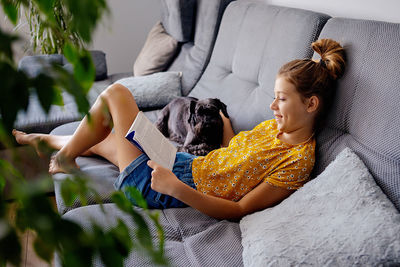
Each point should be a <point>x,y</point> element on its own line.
<point>192,112</point>
<point>221,107</point>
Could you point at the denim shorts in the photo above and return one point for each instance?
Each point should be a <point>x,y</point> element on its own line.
<point>138,174</point>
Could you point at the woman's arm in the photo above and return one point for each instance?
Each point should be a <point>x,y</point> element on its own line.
<point>261,197</point>
<point>228,132</point>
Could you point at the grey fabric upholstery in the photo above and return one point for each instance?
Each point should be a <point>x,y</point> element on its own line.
<point>34,65</point>
<point>177,18</point>
<point>191,238</point>
<point>194,55</point>
<point>255,40</point>
<point>366,112</point>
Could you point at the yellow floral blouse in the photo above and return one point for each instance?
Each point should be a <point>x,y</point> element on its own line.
<point>252,156</point>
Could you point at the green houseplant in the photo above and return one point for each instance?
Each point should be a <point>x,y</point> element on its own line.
<point>74,245</point>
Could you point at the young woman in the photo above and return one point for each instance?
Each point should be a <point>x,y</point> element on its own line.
<point>251,171</point>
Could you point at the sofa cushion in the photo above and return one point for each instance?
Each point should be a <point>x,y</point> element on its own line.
<point>194,54</point>
<point>157,52</point>
<point>254,41</point>
<point>177,16</point>
<point>366,112</point>
<point>34,65</point>
<point>155,90</point>
<point>340,218</point>
<point>191,238</point>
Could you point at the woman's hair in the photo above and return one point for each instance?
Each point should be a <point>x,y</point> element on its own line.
<point>317,78</point>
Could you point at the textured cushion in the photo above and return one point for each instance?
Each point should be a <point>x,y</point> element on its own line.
<point>191,238</point>
<point>341,218</point>
<point>254,41</point>
<point>157,52</point>
<point>366,111</point>
<point>155,90</point>
<point>177,16</point>
<point>34,65</point>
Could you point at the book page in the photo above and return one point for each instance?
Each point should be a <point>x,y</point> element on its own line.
<point>157,147</point>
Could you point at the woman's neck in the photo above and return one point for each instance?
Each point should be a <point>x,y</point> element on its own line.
<point>296,137</point>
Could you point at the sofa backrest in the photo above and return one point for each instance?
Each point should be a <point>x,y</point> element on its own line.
<point>366,111</point>
<point>197,40</point>
<point>253,42</point>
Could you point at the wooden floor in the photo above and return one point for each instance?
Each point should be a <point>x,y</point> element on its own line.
<point>28,257</point>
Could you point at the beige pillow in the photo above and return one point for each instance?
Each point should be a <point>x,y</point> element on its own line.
<point>157,52</point>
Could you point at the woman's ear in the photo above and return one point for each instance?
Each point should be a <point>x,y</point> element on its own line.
<point>313,104</point>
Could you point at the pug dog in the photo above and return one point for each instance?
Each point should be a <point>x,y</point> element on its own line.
<point>196,125</point>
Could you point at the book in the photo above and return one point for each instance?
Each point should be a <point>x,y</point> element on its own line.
<point>145,135</point>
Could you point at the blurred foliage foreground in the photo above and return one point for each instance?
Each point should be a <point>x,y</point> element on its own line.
<point>75,246</point>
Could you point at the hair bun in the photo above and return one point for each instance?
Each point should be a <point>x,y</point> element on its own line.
<point>332,56</point>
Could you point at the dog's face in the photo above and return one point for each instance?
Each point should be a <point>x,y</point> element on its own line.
<point>205,119</point>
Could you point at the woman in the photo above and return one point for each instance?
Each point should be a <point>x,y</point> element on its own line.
<point>252,171</point>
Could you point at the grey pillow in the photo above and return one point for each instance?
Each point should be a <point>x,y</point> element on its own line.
<point>341,218</point>
<point>34,65</point>
<point>157,52</point>
<point>155,90</point>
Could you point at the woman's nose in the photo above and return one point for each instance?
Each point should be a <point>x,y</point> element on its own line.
<point>272,106</point>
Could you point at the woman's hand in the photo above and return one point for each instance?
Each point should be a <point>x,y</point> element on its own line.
<point>228,132</point>
<point>163,180</point>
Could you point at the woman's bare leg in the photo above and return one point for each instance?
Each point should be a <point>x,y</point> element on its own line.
<point>44,142</point>
<point>116,101</point>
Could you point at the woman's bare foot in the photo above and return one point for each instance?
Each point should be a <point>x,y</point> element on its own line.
<point>60,163</point>
<point>35,140</point>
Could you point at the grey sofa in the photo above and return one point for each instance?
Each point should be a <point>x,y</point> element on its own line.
<point>253,41</point>
<point>193,23</point>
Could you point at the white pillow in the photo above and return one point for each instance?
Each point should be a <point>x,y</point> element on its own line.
<point>341,218</point>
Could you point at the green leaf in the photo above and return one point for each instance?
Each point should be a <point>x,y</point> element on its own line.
<point>135,194</point>
<point>122,237</point>
<point>44,86</point>
<point>43,249</point>
<point>46,7</point>
<point>10,10</point>
<point>2,185</point>
<point>68,82</point>
<point>15,94</point>
<point>10,248</point>
<point>68,192</point>
<point>121,201</point>
<point>81,60</point>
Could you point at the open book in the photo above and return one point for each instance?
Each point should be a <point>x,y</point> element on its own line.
<point>145,135</point>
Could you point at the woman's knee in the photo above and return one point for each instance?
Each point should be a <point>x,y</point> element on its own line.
<point>116,91</point>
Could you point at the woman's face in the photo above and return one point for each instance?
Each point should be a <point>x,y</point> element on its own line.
<point>291,111</point>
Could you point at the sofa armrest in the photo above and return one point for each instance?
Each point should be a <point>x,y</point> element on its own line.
<point>34,65</point>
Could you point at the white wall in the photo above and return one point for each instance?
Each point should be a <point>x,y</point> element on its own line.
<point>122,35</point>
<point>134,18</point>
<point>385,10</point>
